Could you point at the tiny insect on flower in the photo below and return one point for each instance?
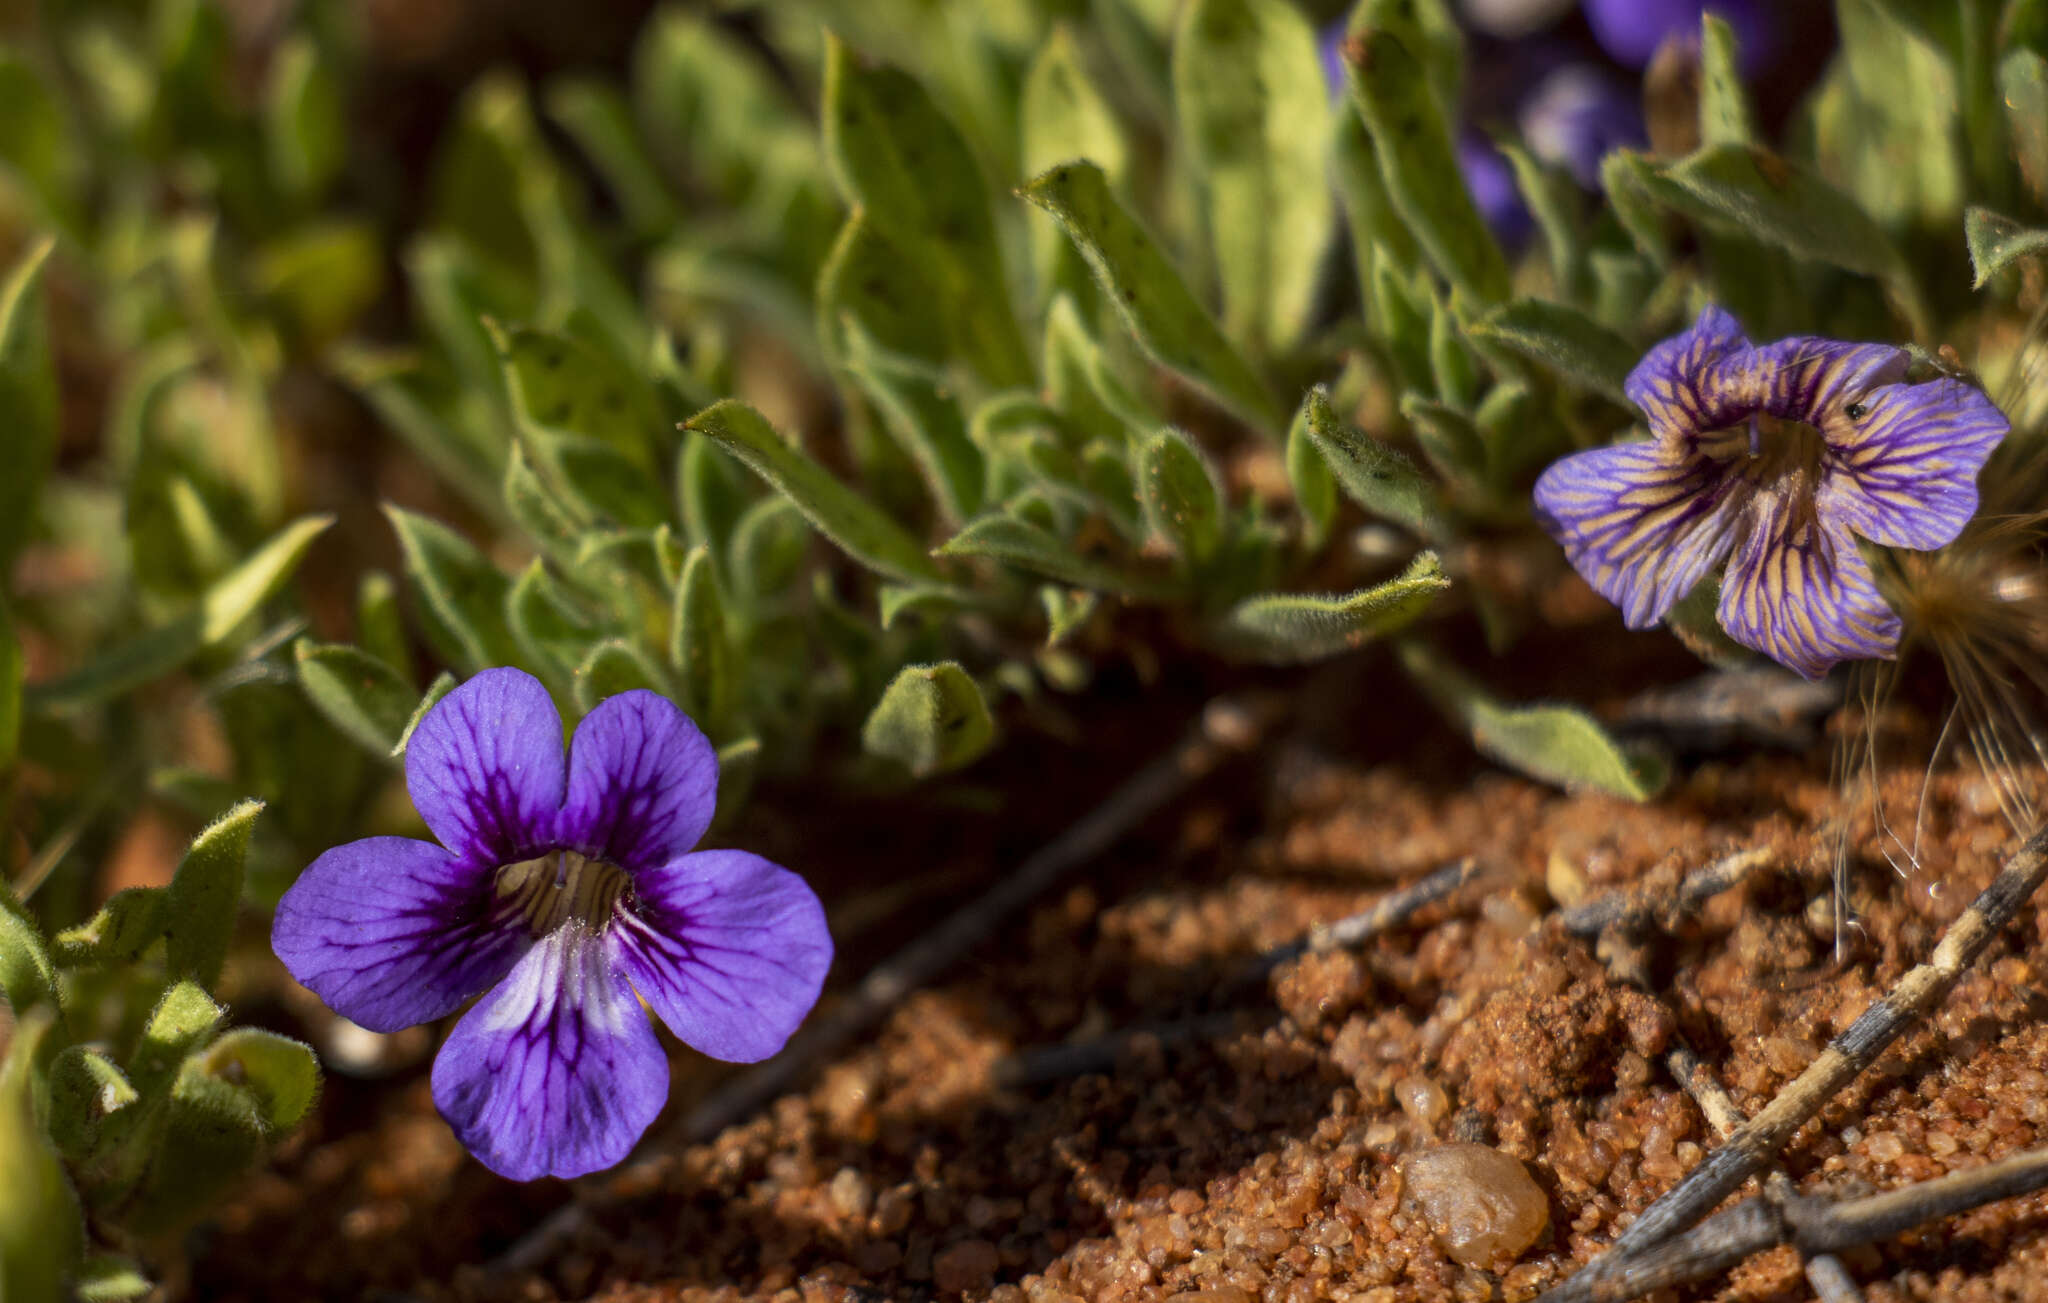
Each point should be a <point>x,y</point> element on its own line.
<point>566,887</point>
<point>1781,455</point>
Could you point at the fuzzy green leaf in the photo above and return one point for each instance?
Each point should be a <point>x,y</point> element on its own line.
<point>1564,339</point>
<point>443,684</point>
<point>212,1133</point>
<point>1155,303</point>
<point>600,120</point>
<point>204,894</point>
<point>281,1073</point>
<point>1027,546</point>
<point>1315,488</point>
<point>461,592</point>
<point>184,1020</point>
<point>700,649</point>
<point>27,978</point>
<point>615,666</point>
<point>1391,88</point>
<point>881,288</point>
<point>2023,86</point>
<point>1063,116</point>
<point>926,420</point>
<point>87,1090</point>
<point>219,612</point>
<point>1450,439</point>
<point>128,924</point>
<point>1376,477</point>
<point>1289,627</point>
<point>861,530</point>
<point>367,700</point>
<point>1182,502</point>
<point>1725,118</point>
<point>305,134</point>
<point>932,719</point>
<point>586,423</point>
<point>895,154</point>
<point>1998,242</point>
<point>1249,94</point>
<point>108,1278</point>
<point>1554,744</point>
<point>1553,198</point>
<point>553,632</point>
<point>28,399</point>
<point>40,1230</point>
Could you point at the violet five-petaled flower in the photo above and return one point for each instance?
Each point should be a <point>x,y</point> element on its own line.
<point>1782,455</point>
<point>565,887</point>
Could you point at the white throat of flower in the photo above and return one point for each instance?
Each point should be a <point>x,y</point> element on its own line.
<point>560,887</point>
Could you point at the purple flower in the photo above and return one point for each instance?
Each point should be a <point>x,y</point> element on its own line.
<point>1782,455</point>
<point>563,887</point>
<point>1491,179</point>
<point>1631,30</point>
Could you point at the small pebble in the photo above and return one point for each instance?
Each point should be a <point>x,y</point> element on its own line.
<point>1481,1204</point>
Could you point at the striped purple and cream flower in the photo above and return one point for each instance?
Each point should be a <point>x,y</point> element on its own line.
<point>567,890</point>
<point>1779,456</point>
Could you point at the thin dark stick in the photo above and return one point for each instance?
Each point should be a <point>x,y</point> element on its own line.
<point>1817,1226</point>
<point>1754,1144</point>
<point>1228,726</point>
<point>1631,909</point>
<point>1389,911</point>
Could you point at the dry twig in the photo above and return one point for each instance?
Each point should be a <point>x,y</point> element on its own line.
<point>1754,1144</point>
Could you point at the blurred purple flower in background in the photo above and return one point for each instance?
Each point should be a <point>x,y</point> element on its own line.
<point>1491,179</point>
<point>1632,30</point>
<point>1576,115</point>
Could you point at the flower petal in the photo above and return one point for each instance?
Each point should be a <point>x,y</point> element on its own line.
<point>391,932</point>
<point>643,782</point>
<point>1803,595</point>
<point>485,767</point>
<point>1810,379</point>
<point>556,1072</point>
<point>1642,522</point>
<point>728,949</point>
<point>1698,380</point>
<point>1905,473</point>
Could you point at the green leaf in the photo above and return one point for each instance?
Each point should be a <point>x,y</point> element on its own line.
<point>1998,242</point>
<point>1725,118</point>
<point>1554,200</point>
<point>1020,543</point>
<point>204,894</point>
<point>305,134</point>
<point>587,424</point>
<point>1391,89</point>
<point>281,1073</point>
<point>2023,86</point>
<point>700,649</point>
<point>881,288</point>
<point>1156,305</point>
<point>1315,488</point>
<point>460,591</point>
<point>932,719</point>
<point>926,421</point>
<point>1451,363</point>
<point>86,1091</point>
<point>40,1230</point>
<point>129,923</point>
<point>1554,744</point>
<point>443,684</point>
<point>1066,611</point>
<point>615,666</point>
<point>1063,116</point>
<point>212,1133</point>
<point>534,508</point>
<point>220,611</point>
<point>27,978</point>
<point>598,118</point>
<point>858,528</point>
<point>552,630</point>
<point>1250,99</point>
<point>324,275</point>
<point>108,1278</point>
<point>1783,206</point>
<point>28,399</point>
<point>1080,384</point>
<point>897,156</point>
<point>367,700</point>
<point>713,492</point>
<point>1450,439</point>
<point>1182,501</point>
<point>184,1020</point>
<point>1290,627</point>
<point>1376,477</point>
<point>1563,339</point>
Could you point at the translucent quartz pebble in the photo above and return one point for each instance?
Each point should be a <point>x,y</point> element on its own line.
<point>1481,1204</point>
